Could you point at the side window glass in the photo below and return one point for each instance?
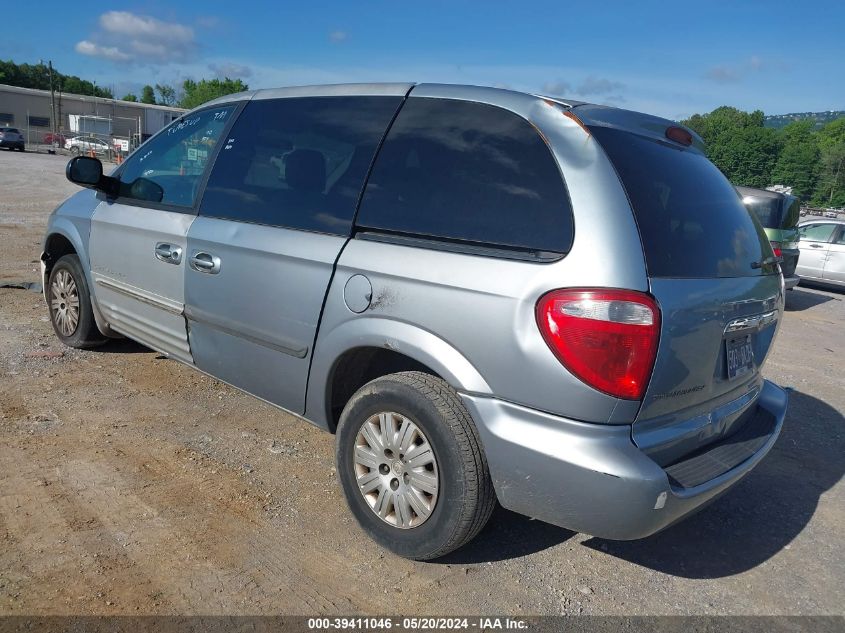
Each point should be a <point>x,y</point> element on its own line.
<point>298,162</point>
<point>816,232</point>
<point>169,167</point>
<point>468,171</point>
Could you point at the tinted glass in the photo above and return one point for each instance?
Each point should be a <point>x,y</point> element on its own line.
<point>773,212</point>
<point>470,172</point>
<point>691,220</point>
<point>816,232</point>
<point>168,168</point>
<point>792,212</point>
<point>767,210</point>
<point>298,163</point>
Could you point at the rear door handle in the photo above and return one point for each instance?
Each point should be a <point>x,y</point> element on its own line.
<point>168,253</point>
<point>203,262</point>
<point>816,246</point>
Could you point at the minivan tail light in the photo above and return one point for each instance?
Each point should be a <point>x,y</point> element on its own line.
<point>776,247</point>
<point>606,338</point>
<point>679,135</point>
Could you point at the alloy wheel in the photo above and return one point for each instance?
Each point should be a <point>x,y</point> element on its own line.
<point>64,302</point>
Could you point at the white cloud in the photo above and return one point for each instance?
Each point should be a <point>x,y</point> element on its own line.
<point>208,21</point>
<point>125,37</point>
<point>729,73</point>
<point>338,36</point>
<point>556,88</point>
<point>231,70</point>
<point>722,74</point>
<point>593,85</point>
<point>95,50</point>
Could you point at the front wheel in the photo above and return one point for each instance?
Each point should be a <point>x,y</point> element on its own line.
<point>69,301</point>
<point>412,467</point>
<point>74,150</point>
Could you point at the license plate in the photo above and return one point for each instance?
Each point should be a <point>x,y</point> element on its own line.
<point>740,357</point>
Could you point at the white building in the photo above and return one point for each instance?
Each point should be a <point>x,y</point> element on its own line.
<point>31,111</point>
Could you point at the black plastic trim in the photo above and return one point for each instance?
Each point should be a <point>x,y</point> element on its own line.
<point>458,246</point>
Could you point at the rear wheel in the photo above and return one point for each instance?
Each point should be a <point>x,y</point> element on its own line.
<point>21,147</point>
<point>70,305</point>
<point>411,465</point>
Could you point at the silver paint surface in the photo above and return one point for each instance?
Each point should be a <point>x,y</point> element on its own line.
<point>140,295</point>
<point>253,323</point>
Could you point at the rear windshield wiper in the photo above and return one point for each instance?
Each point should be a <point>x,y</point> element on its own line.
<point>767,262</point>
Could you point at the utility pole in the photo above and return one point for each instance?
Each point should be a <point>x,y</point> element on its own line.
<point>52,100</point>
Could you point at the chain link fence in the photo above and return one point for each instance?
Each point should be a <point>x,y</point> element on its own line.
<point>105,146</point>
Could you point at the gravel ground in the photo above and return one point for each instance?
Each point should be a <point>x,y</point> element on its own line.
<point>131,484</point>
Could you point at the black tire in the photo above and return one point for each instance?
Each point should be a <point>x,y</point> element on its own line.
<point>22,148</point>
<point>85,335</point>
<point>74,150</point>
<point>465,498</point>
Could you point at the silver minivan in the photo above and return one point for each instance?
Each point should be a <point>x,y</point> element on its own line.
<point>488,296</point>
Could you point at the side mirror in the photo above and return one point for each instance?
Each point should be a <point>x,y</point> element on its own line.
<point>85,171</point>
<point>88,172</point>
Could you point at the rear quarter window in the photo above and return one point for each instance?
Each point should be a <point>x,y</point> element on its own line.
<point>691,220</point>
<point>471,173</point>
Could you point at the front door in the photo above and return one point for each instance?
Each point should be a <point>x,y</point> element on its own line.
<point>139,239</point>
<point>275,214</point>
<point>814,245</point>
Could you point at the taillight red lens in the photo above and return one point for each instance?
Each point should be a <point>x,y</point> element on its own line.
<point>607,338</point>
<point>776,248</point>
<point>679,135</point>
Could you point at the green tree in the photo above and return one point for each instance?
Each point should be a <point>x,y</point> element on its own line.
<point>148,95</point>
<point>798,163</point>
<point>129,97</point>
<point>830,190</point>
<point>166,94</point>
<point>195,93</point>
<point>738,144</point>
<point>38,76</point>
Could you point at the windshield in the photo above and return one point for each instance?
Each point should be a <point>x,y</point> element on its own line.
<point>691,220</point>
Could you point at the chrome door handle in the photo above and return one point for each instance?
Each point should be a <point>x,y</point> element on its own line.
<point>168,253</point>
<point>203,262</point>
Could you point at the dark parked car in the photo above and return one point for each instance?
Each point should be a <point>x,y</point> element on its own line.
<point>11,138</point>
<point>779,214</point>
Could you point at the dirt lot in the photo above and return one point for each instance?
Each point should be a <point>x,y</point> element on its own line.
<point>130,484</point>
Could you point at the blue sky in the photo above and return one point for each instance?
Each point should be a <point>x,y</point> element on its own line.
<point>670,59</point>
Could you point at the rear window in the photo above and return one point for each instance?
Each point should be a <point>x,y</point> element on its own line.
<point>768,210</point>
<point>773,213</point>
<point>469,173</point>
<point>691,220</point>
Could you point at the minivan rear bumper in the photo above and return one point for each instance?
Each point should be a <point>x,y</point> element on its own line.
<point>591,478</point>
